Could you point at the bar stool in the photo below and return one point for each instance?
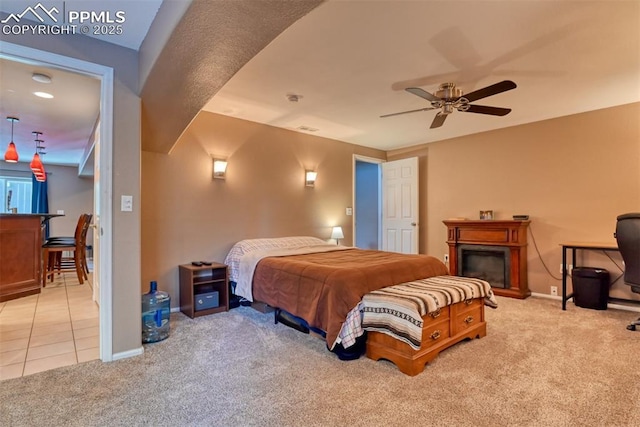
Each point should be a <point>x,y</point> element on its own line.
<point>53,250</point>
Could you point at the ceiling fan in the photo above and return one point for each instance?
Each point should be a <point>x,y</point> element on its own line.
<point>449,98</point>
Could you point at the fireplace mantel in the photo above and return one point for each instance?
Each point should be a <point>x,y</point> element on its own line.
<point>501,233</point>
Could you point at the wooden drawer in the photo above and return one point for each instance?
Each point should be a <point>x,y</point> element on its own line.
<point>435,331</point>
<point>467,315</point>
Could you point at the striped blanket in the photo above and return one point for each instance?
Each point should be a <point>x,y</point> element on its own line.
<point>398,310</point>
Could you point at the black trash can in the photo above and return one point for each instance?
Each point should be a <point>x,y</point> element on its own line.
<point>590,287</point>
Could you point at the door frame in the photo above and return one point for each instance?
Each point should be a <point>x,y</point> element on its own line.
<point>354,225</point>
<point>29,55</point>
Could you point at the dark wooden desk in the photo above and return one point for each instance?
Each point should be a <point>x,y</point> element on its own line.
<point>575,246</point>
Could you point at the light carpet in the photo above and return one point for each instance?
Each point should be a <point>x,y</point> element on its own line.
<point>537,366</point>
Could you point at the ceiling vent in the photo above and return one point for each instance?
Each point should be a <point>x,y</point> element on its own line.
<point>307,129</point>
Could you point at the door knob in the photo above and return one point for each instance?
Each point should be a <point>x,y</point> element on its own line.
<point>413,224</point>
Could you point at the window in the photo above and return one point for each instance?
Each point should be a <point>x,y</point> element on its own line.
<point>15,193</point>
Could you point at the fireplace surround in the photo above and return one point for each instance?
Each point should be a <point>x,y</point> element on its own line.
<point>492,250</point>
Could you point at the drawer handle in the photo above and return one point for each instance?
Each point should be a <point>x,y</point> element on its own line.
<point>435,314</point>
<point>468,320</point>
<point>468,302</point>
<point>435,335</point>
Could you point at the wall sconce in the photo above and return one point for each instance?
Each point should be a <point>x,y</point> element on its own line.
<point>337,234</point>
<point>310,178</point>
<point>219,168</point>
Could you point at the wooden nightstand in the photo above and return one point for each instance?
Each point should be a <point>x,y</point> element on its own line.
<point>199,288</point>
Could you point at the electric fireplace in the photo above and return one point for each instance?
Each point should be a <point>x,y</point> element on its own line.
<point>492,250</point>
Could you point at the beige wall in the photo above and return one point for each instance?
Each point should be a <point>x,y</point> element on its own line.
<point>572,175</point>
<point>125,172</point>
<point>189,216</point>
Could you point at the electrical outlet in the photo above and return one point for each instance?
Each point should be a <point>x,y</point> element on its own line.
<point>554,290</point>
<point>446,258</point>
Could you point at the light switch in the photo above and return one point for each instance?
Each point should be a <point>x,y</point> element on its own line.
<point>60,212</point>
<point>349,211</point>
<point>126,203</point>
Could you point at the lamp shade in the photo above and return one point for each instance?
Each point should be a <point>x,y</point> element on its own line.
<point>36,163</point>
<point>11,155</point>
<point>337,233</point>
<point>38,168</point>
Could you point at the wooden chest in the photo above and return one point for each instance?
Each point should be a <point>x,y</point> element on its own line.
<point>440,330</point>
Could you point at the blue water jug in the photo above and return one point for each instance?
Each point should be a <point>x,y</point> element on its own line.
<point>156,308</point>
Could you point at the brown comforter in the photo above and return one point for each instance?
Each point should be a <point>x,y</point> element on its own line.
<point>323,287</point>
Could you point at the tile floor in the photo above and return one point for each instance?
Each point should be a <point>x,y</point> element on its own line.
<point>58,327</point>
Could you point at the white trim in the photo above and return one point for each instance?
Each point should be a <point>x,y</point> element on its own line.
<point>129,353</point>
<point>546,296</point>
<point>614,306</point>
<point>105,74</point>
<point>624,307</point>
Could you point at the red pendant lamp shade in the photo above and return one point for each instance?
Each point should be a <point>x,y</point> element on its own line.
<point>36,163</point>
<point>11,155</point>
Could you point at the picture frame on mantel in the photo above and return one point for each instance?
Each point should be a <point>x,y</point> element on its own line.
<point>486,214</point>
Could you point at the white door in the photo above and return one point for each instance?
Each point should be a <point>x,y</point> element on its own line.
<point>400,206</point>
<point>96,216</point>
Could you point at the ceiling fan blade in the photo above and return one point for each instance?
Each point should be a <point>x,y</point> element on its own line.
<point>494,89</point>
<point>405,112</point>
<point>438,120</point>
<point>483,109</point>
<point>422,94</point>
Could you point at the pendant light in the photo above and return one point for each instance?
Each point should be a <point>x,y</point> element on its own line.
<point>36,163</point>
<point>11,155</point>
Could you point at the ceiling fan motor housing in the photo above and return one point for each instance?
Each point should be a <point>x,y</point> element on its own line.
<point>449,92</point>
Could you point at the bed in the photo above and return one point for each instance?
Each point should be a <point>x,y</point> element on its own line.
<point>323,284</point>
<point>316,281</point>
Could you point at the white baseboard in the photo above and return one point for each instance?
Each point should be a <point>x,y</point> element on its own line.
<point>136,351</point>
<point>129,353</point>
<point>610,305</point>
<point>547,296</point>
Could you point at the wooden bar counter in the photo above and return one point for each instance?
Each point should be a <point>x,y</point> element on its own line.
<point>20,254</point>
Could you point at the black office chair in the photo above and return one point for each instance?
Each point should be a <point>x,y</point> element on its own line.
<point>628,238</point>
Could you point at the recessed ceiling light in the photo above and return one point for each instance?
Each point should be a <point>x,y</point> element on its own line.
<point>43,95</point>
<point>41,78</point>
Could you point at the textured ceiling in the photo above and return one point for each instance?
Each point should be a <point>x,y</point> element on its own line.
<point>208,46</point>
<point>350,62</point>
